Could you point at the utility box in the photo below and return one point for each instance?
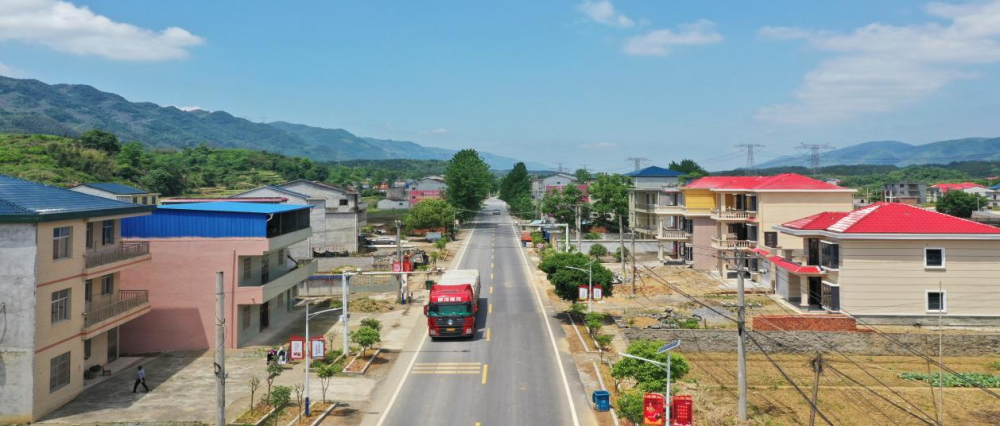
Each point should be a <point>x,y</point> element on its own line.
<point>602,400</point>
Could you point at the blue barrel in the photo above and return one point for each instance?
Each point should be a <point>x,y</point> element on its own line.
<point>602,400</point>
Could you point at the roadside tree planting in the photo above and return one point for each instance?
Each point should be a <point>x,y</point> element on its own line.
<point>567,280</point>
<point>649,377</point>
<point>366,337</point>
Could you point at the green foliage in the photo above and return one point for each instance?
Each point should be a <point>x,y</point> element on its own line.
<point>618,254</point>
<point>429,214</point>
<point>610,195</point>
<point>595,316</point>
<point>591,236</point>
<point>995,365</point>
<point>597,251</point>
<point>961,380</point>
<point>280,396</point>
<point>960,204</point>
<point>603,341</point>
<point>566,280</point>
<point>649,377</point>
<point>441,243</point>
<point>577,309</point>
<point>582,175</point>
<point>515,183</point>
<point>536,238</point>
<point>469,182</point>
<point>365,337</point>
<point>522,206</point>
<point>690,168</point>
<point>325,374</point>
<point>101,141</point>
<point>630,406</point>
<point>562,204</point>
<point>372,323</point>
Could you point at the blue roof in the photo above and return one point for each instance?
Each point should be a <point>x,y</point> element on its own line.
<point>237,207</point>
<point>26,201</point>
<point>997,186</point>
<point>115,188</point>
<point>653,171</point>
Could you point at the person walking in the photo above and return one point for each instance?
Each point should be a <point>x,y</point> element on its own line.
<point>140,377</point>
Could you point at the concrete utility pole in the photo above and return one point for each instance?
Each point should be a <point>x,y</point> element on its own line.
<point>220,351</point>
<point>621,248</point>
<point>741,374</point>
<point>399,255</point>
<point>817,366</point>
<point>579,227</point>
<point>632,255</point>
<point>344,316</point>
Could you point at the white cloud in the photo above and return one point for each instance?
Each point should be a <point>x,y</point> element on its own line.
<point>439,131</point>
<point>879,68</point>
<point>603,12</point>
<point>65,27</point>
<point>660,42</point>
<point>9,71</point>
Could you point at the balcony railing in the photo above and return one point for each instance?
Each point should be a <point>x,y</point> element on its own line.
<point>697,211</point>
<point>121,252</point>
<point>644,229</point>
<point>730,214</point>
<point>645,206</point>
<point>126,301</point>
<point>673,234</point>
<point>670,209</point>
<point>732,244</point>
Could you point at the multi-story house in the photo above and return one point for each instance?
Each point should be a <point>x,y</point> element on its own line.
<point>994,196</point>
<point>727,213</point>
<point>912,193</point>
<point>117,191</point>
<point>556,181</point>
<point>935,192</point>
<point>655,208</point>
<point>63,295</point>
<point>189,243</point>
<point>428,188</point>
<point>892,263</point>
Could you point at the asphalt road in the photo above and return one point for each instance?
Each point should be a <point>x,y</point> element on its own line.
<point>511,372</point>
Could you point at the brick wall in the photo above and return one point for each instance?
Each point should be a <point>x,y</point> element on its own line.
<point>804,323</point>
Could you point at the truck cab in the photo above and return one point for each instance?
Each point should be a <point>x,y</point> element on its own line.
<point>453,305</point>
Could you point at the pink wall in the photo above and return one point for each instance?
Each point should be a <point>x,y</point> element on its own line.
<point>180,279</point>
<point>416,196</point>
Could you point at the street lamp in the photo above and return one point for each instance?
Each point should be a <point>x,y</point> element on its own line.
<point>590,279</point>
<point>308,348</point>
<point>665,348</point>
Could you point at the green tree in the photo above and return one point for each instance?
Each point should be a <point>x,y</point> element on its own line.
<point>273,371</point>
<point>567,280</point>
<point>960,204</point>
<point>610,195</point>
<point>597,251</point>
<point>618,254</point>
<point>515,183</point>
<point>582,175</point>
<point>100,140</point>
<point>429,214</point>
<point>522,206</point>
<point>649,377</point>
<point>163,181</point>
<point>562,204</point>
<point>469,182</point>
<point>630,405</point>
<point>372,323</point>
<point>366,337</point>
<point>690,168</point>
<point>326,374</point>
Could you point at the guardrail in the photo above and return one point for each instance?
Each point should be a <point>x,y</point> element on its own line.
<point>673,233</point>
<point>732,244</point>
<point>121,252</point>
<point>127,300</point>
<point>730,214</point>
<point>692,211</point>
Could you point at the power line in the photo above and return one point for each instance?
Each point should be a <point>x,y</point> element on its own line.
<point>638,161</point>
<point>814,151</point>
<point>750,147</point>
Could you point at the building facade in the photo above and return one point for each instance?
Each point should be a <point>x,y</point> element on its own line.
<point>935,192</point>
<point>430,187</point>
<point>912,193</point>
<point>655,207</point>
<point>117,191</point>
<point>63,291</point>
<point>892,263</point>
<point>557,181</point>
<point>189,243</point>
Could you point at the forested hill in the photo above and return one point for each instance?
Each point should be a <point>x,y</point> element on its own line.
<point>31,106</point>
<point>892,153</point>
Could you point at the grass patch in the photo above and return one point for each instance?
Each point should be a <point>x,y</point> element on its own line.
<point>961,380</point>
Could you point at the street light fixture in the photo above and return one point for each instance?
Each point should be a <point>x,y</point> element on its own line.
<point>666,367</point>
<point>308,348</point>
<point>590,279</point>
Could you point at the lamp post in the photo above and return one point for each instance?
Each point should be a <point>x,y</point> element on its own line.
<point>308,348</point>
<point>665,348</point>
<point>590,280</point>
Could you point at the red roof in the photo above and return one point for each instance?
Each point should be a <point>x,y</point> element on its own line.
<point>794,267</point>
<point>273,200</point>
<point>786,181</point>
<point>890,218</point>
<point>945,187</point>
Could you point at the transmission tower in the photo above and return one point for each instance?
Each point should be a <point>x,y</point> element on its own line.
<point>814,150</point>
<point>638,161</point>
<point>750,147</point>
<point>559,165</point>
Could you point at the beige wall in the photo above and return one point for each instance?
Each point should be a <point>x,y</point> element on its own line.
<point>703,230</point>
<point>888,277</point>
<point>776,208</point>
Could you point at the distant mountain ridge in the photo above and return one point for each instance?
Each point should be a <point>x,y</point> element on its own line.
<point>31,106</point>
<point>901,154</point>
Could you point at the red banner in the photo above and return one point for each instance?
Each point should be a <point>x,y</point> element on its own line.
<point>652,409</point>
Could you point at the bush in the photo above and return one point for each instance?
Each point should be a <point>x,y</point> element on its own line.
<point>630,406</point>
<point>280,396</point>
<point>598,251</point>
<point>372,323</point>
<point>649,377</point>
<point>440,244</point>
<point>603,341</point>
<point>536,238</point>
<point>591,236</point>
<point>618,254</point>
<point>577,309</point>
<point>366,337</point>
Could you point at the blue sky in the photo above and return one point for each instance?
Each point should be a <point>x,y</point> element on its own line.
<point>582,82</point>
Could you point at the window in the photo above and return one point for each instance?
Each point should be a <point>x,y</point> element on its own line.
<point>830,255</point>
<point>343,201</point>
<point>108,232</point>
<point>246,316</point>
<point>771,239</point>
<point>90,235</point>
<point>88,290</point>
<point>152,200</point>
<point>58,372</point>
<point>247,268</point>
<point>934,258</point>
<point>107,285</point>
<point>60,306</point>
<point>281,256</point>
<point>265,268</point>
<point>86,349</point>
<point>62,241</point>
<point>281,299</point>
<point>936,301</point>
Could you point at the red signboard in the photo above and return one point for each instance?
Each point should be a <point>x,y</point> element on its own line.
<point>652,409</point>
<point>297,347</point>
<point>683,408</point>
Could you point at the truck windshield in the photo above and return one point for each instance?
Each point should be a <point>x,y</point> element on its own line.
<point>437,310</point>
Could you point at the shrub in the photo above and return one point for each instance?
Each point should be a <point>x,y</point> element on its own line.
<point>280,396</point>
<point>366,337</point>
<point>440,244</point>
<point>536,238</point>
<point>603,341</point>
<point>577,309</point>
<point>598,251</point>
<point>630,406</point>
<point>372,323</point>
<point>618,254</point>
<point>591,236</point>
<point>649,377</point>
<point>961,380</point>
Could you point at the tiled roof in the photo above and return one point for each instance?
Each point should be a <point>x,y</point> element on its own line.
<point>890,218</point>
<point>270,200</point>
<point>794,267</point>
<point>26,201</point>
<point>945,187</point>
<point>237,207</point>
<point>782,182</point>
<point>653,171</point>
<point>115,188</point>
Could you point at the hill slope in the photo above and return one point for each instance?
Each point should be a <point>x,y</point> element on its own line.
<point>902,154</point>
<point>31,106</point>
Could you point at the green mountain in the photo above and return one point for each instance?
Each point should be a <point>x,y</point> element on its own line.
<point>902,154</point>
<point>31,106</point>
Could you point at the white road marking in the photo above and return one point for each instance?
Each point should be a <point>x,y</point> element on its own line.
<point>552,337</point>
<point>409,368</point>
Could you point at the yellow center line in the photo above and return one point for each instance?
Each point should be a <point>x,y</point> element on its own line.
<point>485,369</point>
<point>491,289</point>
<point>487,335</point>
<point>491,308</point>
<point>477,424</point>
<point>491,277</point>
<point>492,264</point>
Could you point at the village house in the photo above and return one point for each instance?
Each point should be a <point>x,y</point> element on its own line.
<point>430,187</point>
<point>557,181</point>
<point>117,191</point>
<point>655,208</point>
<point>935,192</point>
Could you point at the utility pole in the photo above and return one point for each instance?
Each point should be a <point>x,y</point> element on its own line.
<point>638,161</point>
<point>817,366</point>
<point>750,147</point>
<point>220,351</point>
<point>741,374</point>
<point>344,316</point>
<point>632,255</point>
<point>399,255</point>
<point>579,227</point>
<point>621,248</point>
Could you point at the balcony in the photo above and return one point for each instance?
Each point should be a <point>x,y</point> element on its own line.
<point>697,211</point>
<point>731,215</point>
<point>257,294</point>
<point>670,210</point>
<point>125,304</point>
<point>726,244</point>
<point>643,229</point>
<point>645,207</point>
<point>123,251</point>
<point>673,235</point>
